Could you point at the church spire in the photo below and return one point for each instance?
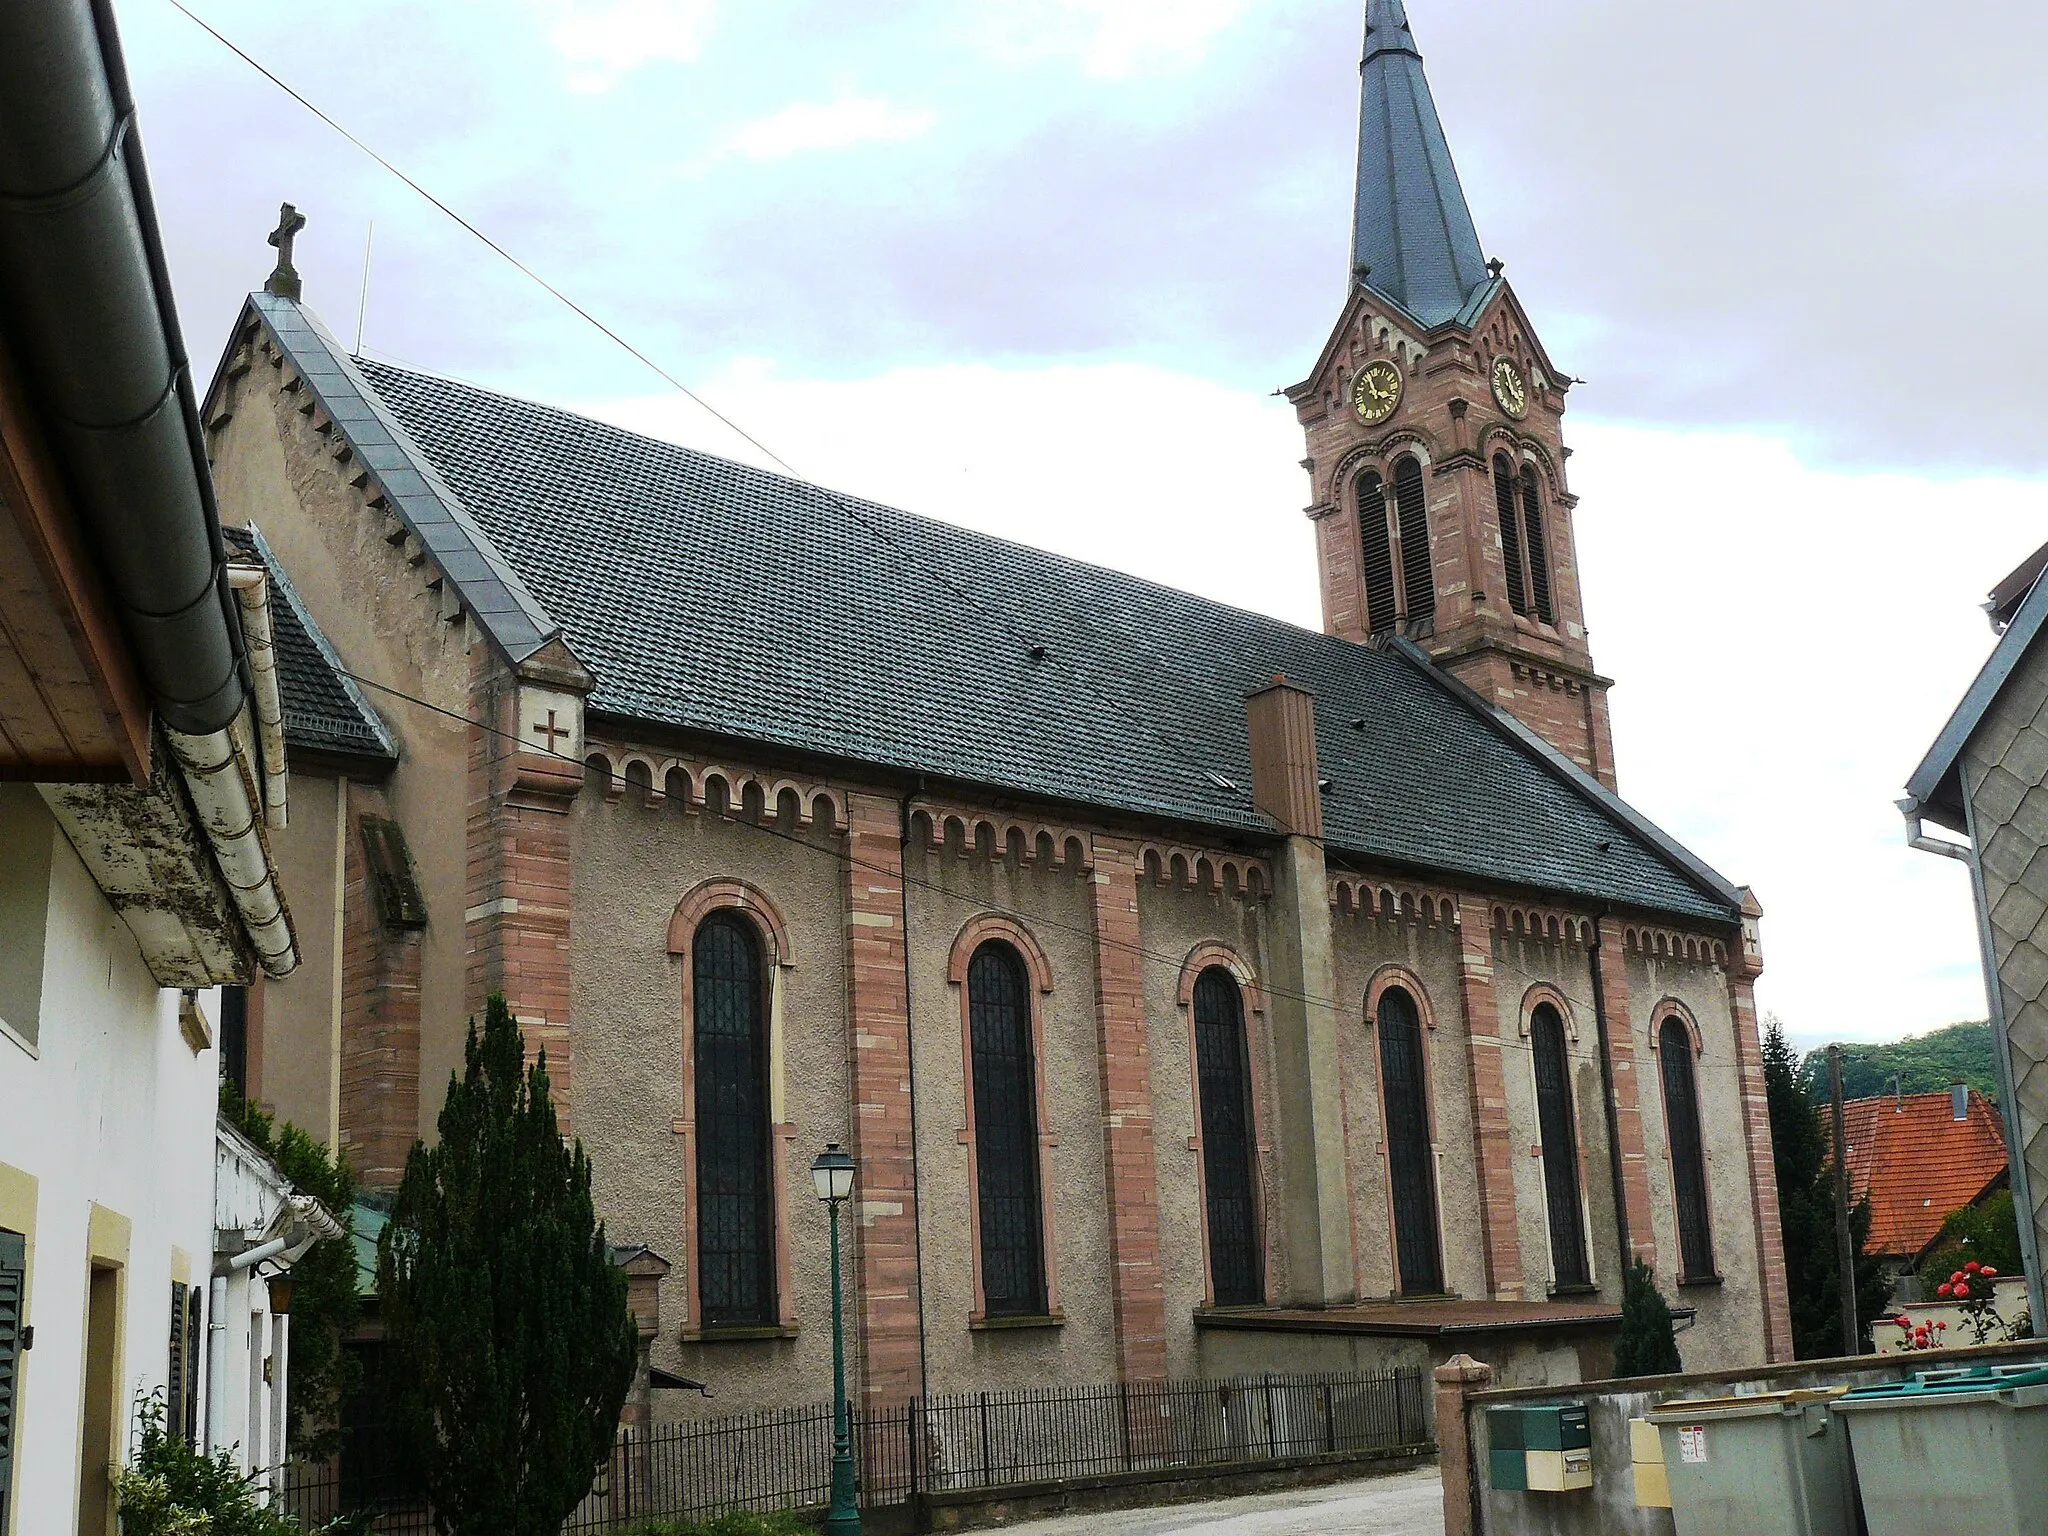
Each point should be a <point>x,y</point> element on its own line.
<point>1412,230</point>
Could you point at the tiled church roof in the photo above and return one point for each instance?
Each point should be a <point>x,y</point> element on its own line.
<point>323,711</point>
<point>707,595</point>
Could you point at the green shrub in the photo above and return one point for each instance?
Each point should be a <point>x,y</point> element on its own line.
<point>733,1523</point>
<point>172,1490</point>
<point>1647,1346</point>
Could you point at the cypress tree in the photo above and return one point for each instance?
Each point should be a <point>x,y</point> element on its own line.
<point>510,1346</point>
<point>1647,1346</point>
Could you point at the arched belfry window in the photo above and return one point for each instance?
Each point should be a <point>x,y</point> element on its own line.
<point>1559,1128</point>
<point>735,1186</point>
<point>1237,1272</point>
<point>1524,547</point>
<point>1411,1160</point>
<point>1393,533</point>
<point>1006,1133</point>
<point>1504,499</point>
<point>1535,547</point>
<point>1688,1156</point>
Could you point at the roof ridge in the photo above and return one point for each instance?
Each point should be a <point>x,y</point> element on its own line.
<point>1573,776</point>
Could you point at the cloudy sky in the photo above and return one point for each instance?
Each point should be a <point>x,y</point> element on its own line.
<point>1038,265</point>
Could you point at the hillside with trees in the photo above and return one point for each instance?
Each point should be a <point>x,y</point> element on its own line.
<point>1923,1064</point>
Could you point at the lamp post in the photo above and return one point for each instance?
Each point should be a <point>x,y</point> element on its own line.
<point>832,1177</point>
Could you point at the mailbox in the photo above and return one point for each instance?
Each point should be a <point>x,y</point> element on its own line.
<point>1540,1450</point>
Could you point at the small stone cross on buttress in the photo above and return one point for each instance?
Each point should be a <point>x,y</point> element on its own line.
<point>552,731</point>
<point>284,279</point>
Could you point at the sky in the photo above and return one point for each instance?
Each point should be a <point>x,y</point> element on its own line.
<point>1039,266</point>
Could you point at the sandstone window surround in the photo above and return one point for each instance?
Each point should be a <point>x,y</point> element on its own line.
<point>744,903</point>
<point>1396,999</point>
<point>1023,947</point>
<point>1208,966</point>
<point>1551,1028</point>
<point>1680,1049</point>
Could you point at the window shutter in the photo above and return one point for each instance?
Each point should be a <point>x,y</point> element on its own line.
<point>13,1304</point>
<point>1510,532</point>
<point>174,1373</point>
<point>1377,552</point>
<point>1539,557</point>
<point>1418,575</point>
<point>195,1342</point>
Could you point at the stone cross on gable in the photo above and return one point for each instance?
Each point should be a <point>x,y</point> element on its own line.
<point>284,279</point>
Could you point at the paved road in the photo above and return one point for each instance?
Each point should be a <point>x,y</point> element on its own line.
<point>1403,1504</point>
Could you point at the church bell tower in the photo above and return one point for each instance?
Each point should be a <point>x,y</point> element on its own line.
<point>1435,450</point>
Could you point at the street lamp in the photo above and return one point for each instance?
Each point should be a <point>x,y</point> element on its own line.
<point>832,1177</point>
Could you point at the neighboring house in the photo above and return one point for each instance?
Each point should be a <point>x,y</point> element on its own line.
<point>1182,1020</point>
<point>261,1227</point>
<point>1917,1157</point>
<point>143,775</point>
<point>1986,779</point>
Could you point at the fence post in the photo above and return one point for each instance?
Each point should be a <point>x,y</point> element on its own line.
<point>1272,1425</point>
<point>987,1475</point>
<point>1123,1399</point>
<point>1454,1379</point>
<point>1329,1420</point>
<point>910,1422</point>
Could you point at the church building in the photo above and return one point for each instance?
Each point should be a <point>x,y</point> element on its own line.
<point>1196,993</point>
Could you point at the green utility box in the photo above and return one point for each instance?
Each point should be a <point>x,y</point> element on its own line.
<point>1962,1451</point>
<point>1539,1450</point>
<point>1772,1464</point>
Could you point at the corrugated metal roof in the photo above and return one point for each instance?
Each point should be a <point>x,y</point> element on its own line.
<point>715,597</point>
<point>1412,227</point>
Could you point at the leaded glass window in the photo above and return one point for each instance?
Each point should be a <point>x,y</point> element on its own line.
<point>1411,1161</point>
<point>1559,1129</point>
<point>1006,1133</point>
<point>1688,1160</point>
<point>1229,1150</point>
<point>735,1192</point>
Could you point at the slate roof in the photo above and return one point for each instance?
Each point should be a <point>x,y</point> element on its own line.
<point>1412,226</point>
<point>711,596</point>
<point>2019,604</point>
<point>1918,1163</point>
<point>324,711</point>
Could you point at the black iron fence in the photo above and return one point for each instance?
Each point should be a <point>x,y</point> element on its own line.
<point>782,1458</point>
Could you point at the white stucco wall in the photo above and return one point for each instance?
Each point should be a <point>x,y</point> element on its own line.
<point>112,1109</point>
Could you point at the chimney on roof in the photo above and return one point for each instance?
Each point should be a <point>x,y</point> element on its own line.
<point>1959,1101</point>
<point>1285,781</point>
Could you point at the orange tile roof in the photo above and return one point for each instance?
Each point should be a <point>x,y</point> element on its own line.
<point>1917,1163</point>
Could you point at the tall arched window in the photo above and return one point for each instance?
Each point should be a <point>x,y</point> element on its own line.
<point>1535,546</point>
<point>1510,532</point>
<point>1688,1160</point>
<point>1559,1128</point>
<point>1237,1273</point>
<point>735,1189</point>
<point>1006,1133</point>
<point>1418,575</point>
<point>1393,535</point>
<point>1411,1163</point>
<point>1376,549</point>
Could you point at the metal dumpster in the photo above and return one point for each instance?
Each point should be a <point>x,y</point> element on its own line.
<point>1962,1450</point>
<point>1773,1464</point>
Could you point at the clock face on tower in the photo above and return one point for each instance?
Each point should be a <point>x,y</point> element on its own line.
<point>1376,391</point>
<point>1509,389</point>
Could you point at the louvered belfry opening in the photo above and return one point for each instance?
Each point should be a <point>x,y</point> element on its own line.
<point>1411,1162</point>
<point>1536,546</point>
<point>1006,1133</point>
<point>1376,551</point>
<point>13,1318</point>
<point>1688,1162</point>
<point>735,1192</point>
<point>1394,557</point>
<point>1418,575</point>
<point>1558,1126</point>
<point>1510,532</point>
<point>1237,1273</point>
